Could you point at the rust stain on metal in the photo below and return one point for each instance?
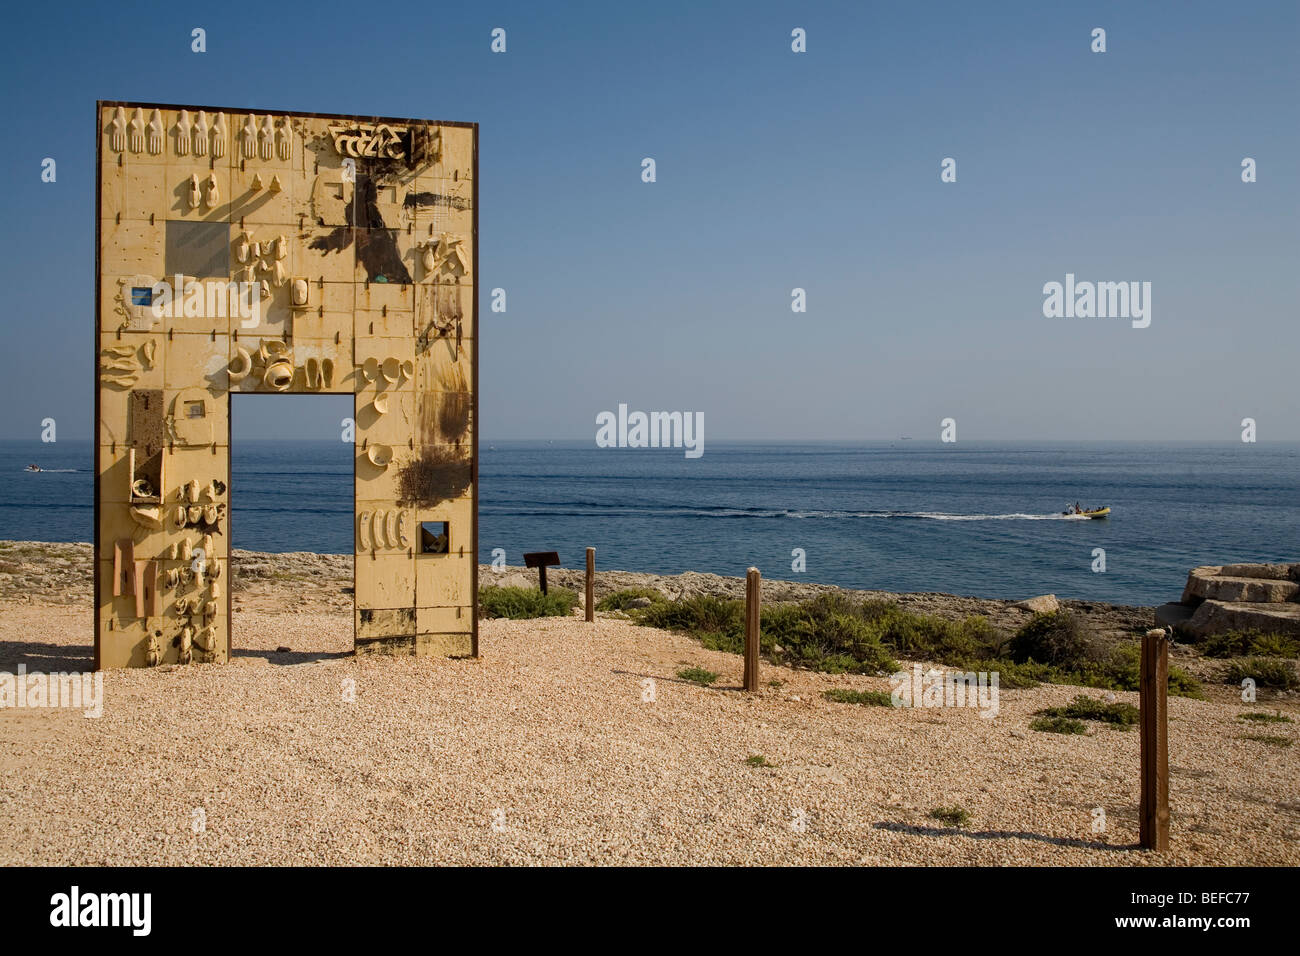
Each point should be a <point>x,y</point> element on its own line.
<point>377,250</point>
<point>439,474</point>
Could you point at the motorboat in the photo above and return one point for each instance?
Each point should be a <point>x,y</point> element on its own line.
<point>1087,512</point>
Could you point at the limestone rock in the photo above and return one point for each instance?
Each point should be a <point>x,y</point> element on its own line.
<point>512,580</point>
<point>1277,572</point>
<point>1043,604</point>
<point>1218,584</point>
<point>1216,617</point>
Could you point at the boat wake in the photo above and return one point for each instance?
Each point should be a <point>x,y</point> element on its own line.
<point>592,509</point>
<point>935,516</point>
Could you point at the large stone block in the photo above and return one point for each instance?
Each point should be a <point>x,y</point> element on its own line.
<point>1217,617</point>
<point>1238,588</point>
<point>1276,572</point>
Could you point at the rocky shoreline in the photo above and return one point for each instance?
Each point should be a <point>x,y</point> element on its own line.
<point>1236,597</point>
<point>59,573</point>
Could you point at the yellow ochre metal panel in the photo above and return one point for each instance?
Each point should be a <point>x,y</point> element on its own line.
<point>290,253</point>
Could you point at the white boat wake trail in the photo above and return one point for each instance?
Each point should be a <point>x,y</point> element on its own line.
<point>603,510</point>
<point>934,516</point>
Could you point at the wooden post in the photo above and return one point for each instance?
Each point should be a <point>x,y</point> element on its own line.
<point>591,584</point>
<point>1154,686</point>
<point>753,607</point>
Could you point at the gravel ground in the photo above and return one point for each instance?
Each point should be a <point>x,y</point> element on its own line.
<point>543,751</point>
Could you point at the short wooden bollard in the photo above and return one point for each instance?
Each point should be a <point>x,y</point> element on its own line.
<point>591,584</point>
<point>1154,687</point>
<point>753,608</point>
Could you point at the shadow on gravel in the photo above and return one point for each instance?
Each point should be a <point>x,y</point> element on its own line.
<point>677,680</point>
<point>46,658</point>
<point>56,658</point>
<point>285,658</point>
<point>1004,835</point>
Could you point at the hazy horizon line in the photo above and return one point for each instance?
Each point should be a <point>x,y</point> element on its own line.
<point>796,441</point>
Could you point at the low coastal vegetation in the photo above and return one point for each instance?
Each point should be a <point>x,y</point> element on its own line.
<point>518,603</point>
<point>1058,725</point>
<point>1262,718</point>
<point>1268,659</point>
<point>1083,707</point>
<point>698,675</point>
<point>1264,671</point>
<point>867,698</point>
<point>1273,740</point>
<point>950,816</point>
<point>1249,644</point>
<point>629,598</point>
<point>836,634</point>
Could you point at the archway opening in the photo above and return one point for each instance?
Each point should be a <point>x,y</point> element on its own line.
<point>291,526</point>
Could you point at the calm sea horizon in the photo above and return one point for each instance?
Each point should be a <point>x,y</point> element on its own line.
<point>973,518</point>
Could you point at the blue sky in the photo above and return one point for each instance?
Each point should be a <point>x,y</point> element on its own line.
<point>775,170</point>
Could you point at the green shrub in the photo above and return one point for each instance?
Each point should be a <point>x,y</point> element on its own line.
<point>699,614</point>
<point>1275,740</point>
<point>1090,708</point>
<point>1058,639</point>
<point>867,698</point>
<point>1182,684</point>
<point>1013,676</point>
<point>1262,718</point>
<point>698,675</point>
<point>521,603</point>
<point>929,636</point>
<point>796,626</point>
<point>986,639</point>
<point>1119,668</point>
<point>848,642</point>
<point>777,623</point>
<point>731,643</point>
<point>950,816</point>
<point>619,600</point>
<point>1117,671</point>
<point>826,633</point>
<point>1058,725</point>
<point>1266,672</point>
<point>1250,644</point>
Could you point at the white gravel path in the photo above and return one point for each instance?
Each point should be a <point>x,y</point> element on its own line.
<point>543,751</point>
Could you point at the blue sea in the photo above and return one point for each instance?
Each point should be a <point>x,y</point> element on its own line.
<point>971,518</point>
